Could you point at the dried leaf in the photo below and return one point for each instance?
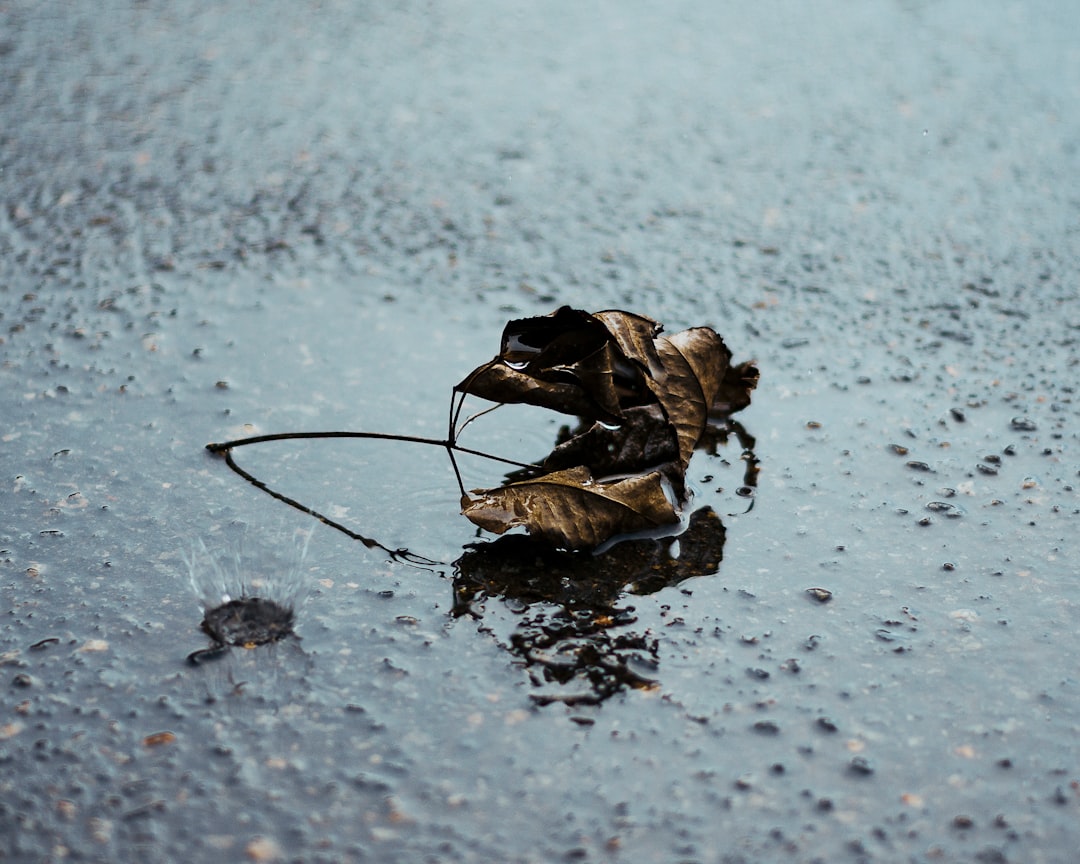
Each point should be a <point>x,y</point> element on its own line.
<point>695,362</point>
<point>499,382</point>
<point>570,509</point>
<point>646,400</point>
<point>643,441</point>
<point>635,335</point>
<point>571,362</point>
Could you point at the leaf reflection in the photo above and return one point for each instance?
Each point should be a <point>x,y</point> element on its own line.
<point>576,629</point>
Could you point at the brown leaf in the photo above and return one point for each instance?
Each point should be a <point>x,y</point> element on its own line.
<point>695,362</point>
<point>646,400</point>
<point>570,361</point>
<point>570,509</point>
<point>644,440</point>
<point>499,382</point>
<point>635,335</point>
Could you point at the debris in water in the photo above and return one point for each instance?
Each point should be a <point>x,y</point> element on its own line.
<point>242,610</point>
<point>248,621</point>
<point>158,738</point>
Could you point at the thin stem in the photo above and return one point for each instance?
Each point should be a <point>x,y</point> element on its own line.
<point>481,453</point>
<point>463,389</point>
<point>290,436</point>
<point>397,554</point>
<point>457,472</point>
<point>225,449</point>
<point>450,436</point>
<point>225,446</point>
<point>478,415</point>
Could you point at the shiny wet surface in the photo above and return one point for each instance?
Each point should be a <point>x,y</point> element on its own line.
<point>217,225</point>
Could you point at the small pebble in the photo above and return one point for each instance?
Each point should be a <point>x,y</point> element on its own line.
<point>822,595</point>
<point>263,849</point>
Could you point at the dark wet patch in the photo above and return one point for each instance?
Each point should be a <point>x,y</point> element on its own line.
<point>247,623</point>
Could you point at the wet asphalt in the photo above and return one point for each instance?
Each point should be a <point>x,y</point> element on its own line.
<point>236,220</point>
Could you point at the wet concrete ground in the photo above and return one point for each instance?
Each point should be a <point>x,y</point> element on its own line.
<point>217,223</point>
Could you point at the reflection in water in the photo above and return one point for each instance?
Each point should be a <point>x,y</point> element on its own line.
<point>574,632</point>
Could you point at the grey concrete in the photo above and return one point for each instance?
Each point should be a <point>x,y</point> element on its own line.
<point>273,217</point>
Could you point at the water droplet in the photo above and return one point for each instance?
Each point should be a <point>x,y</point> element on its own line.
<point>516,365</point>
<point>611,427</point>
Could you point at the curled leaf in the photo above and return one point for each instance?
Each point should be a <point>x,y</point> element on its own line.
<point>643,441</point>
<point>695,362</point>
<point>570,509</point>
<point>646,400</point>
<point>635,335</point>
<point>573,362</point>
<point>499,382</point>
<point>536,361</point>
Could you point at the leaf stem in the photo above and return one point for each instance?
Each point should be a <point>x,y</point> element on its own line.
<point>225,446</point>
<point>225,449</point>
<point>397,554</point>
<point>291,436</point>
